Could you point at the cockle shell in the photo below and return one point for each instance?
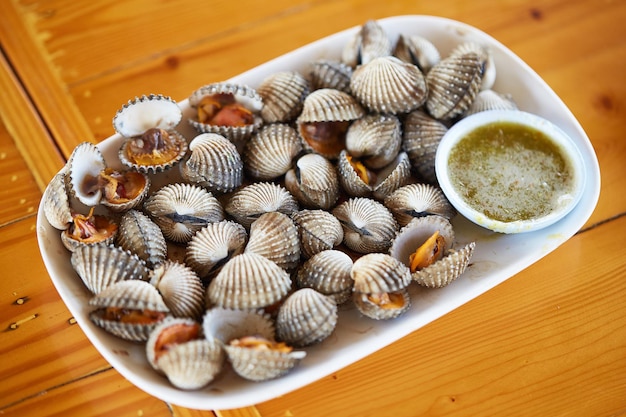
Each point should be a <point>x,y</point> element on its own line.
<point>181,209</point>
<point>490,100</point>
<point>486,58</point>
<point>150,113</point>
<point>313,182</point>
<point>214,245</point>
<point>225,324</point>
<point>89,229</point>
<point>283,94</point>
<point>275,236</point>
<point>244,95</point>
<point>135,186</point>
<point>140,235</point>
<point>418,200</point>
<point>269,153</point>
<point>56,203</point>
<point>248,203</point>
<point>328,272</point>
<point>318,230</point>
<point>129,295</point>
<point>330,74</point>
<point>214,163</point>
<point>180,287</point>
<point>375,273</point>
<point>421,137</point>
<point>188,364</point>
<point>417,50</point>
<point>83,169</point>
<point>453,84</point>
<point>389,85</point>
<point>368,43</point>
<point>446,270</point>
<point>248,281</point>
<point>375,139</point>
<point>368,226</point>
<point>100,266</point>
<point>305,318</point>
<point>262,364</point>
<point>399,303</point>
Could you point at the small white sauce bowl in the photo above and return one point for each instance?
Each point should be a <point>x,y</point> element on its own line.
<point>562,141</point>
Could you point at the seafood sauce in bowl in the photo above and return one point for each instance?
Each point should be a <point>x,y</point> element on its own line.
<point>510,171</point>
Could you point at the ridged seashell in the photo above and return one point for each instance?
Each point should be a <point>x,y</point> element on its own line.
<point>375,139</point>
<point>324,120</point>
<point>453,84</point>
<point>247,102</point>
<point>250,202</point>
<point>148,123</point>
<point>389,85</point>
<point>395,175</point>
<point>87,230</point>
<point>84,167</point>
<point>249,281</point>
<point>447,269</point>
<point>128,296</point>
<point>100,266</point>
<point>421,137</point>
<point>355,179</point>
<point>181,209</point>
<point>269,153</point>
<point>180,287</point>
<point>283,94</point>
<point>328,272</point>
<point>486,57</point>
<point>214,163</point>
<point>275,236</point>
<point>417,50</point>
<point>418,200</point>
<point>177,348</point>
<point>56,203</point>
<point>385,306</point>
<point>305,318</point>
<point>368,226</point>
<point>225,324</point>
<point>256,364</point>
<point>313,182</point>
<point>135,186</point>
<point>140,235</point>
<point>214,245</point>
<point>376,273</point>
<point>490,100</point>
<point>318,230</point>
<point>330,74</point>
<point>368,43</point>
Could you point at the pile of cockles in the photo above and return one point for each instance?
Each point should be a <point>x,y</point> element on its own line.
<point>312,192</point>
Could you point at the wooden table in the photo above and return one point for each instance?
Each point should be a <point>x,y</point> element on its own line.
<point>549,341</point>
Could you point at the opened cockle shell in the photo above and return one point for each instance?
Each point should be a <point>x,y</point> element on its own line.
<point>180,287</point>
<point>417,50</point>
<point>248,203</point>
<point>226,324</point>
<point>389,85</point>
<point>123,190</point>
<point>213,246</point>
<point>370,42</point>
<point>318,230</point>
<point>181,209</point>
<point>275,236</point>
<point>449,268</point>
<point>89,229</point>
<point>384,306</point>
<point>330,74</point>
<point>100,266</point>
<point>283,94</point>
<point>328,272</point>
<point>417,232</point>
<point>418,200</point>
<point>325,118</point>
<point>375,139</point>
<point>313,182</point>
<point>140,235</point>
<point>214,163</point>
<point>230,110</point>
<point>128,309</point>
<point>249,281</point>
<point>368,226</point>
<point>269,153</point>
<point>83,169</point>
<point>421,137</point>
<point>306,317</point>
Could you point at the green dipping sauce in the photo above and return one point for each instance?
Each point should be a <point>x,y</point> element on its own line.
<point>510,172</point>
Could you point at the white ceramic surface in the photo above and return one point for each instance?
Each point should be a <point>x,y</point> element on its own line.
<point>497,256</point>
<point>564,143</point>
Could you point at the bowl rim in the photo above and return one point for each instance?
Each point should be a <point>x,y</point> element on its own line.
<point>556,135</point>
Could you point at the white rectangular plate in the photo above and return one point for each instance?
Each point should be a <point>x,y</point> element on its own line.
<point>496,258</point>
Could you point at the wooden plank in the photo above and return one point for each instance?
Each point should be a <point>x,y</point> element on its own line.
<point>558,348</point>
<point>23,129</point>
